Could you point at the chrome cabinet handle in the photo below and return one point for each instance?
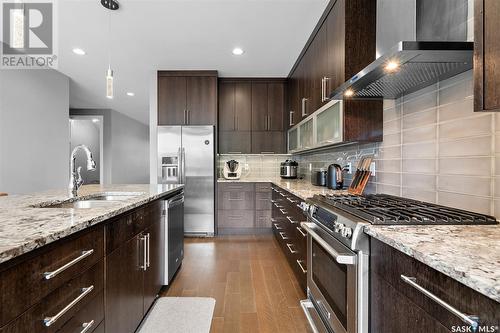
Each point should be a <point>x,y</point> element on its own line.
<point>302,232</point>
<point>277,226</point>
<point>48,321</point>
<point>87,326</point>
<point>277,206</point>
<point>185,117</point>
<point>234,152</point>
<point>143,239</point>
<point>283,237</point>
<point>344,259</point>
<point>148,242</point>
<point>236,122</point>
<point>304,113</point>
<point>468,319</point>
<point>290,248</point>
<point>188,116</point>
<point>269,123</point>
<point>299,262</point>
<point>290,118</point>
<point>267,152</point>
<point>85,254</point>
<point>322,89</point>
<point>284,212</point>
<point>292,201</point>
<point>282,194</point>
<point>290,219</point>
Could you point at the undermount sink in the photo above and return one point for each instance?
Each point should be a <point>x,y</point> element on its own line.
<point>92,201</point>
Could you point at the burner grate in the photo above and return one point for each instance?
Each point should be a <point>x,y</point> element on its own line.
<point>387,209</point>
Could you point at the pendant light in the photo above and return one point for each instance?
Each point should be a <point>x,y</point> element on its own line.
<point>111,5</point>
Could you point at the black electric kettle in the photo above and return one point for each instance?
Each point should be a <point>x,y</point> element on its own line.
<point>335,179</point>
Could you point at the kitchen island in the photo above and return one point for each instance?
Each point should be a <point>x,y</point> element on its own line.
<point>70,269</point>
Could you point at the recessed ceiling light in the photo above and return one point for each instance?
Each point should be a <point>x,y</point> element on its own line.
<point>131,94</point>
<point>79,51</point>
<point>238,51</point>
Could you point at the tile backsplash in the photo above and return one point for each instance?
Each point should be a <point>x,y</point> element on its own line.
<point>435,148</point>
<point>254,166</point>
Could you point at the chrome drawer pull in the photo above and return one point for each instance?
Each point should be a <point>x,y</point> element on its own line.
<point>85,254</point>
<point>470,320</point>
<point>283,211</point>
<point>277,206</point>
<point>148,242</point>
<point>277,227</point>
<point>87,326</point>
<point>290,248</point>
<point>283,237</point>
<point>290,219</point>
<point>144,239</point>
<point>284,196</point>
<point>302,231</point>
<point>292,201</point>
<point>299,262</point>
<point>50,320</point>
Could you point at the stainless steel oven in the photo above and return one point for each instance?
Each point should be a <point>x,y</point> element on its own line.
<point>337,283</point>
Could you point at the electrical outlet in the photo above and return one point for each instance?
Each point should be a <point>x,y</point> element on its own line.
<point>372,169</point>
<point>349,168</point>
<point>310,166</point>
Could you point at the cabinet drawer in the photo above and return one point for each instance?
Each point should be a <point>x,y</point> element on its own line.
<point>236,187</point>
<point>236,218</point>
<point>126,226</point>
<point>77,293</point>
<point>389,264</point>
<point>263,200</point>
<point>236,200</point>
<point>263,219</point>
<point>263,187</point>
<point>89,317</point>
<point>26,283</point>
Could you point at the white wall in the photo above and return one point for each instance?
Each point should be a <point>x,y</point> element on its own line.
<point>126,147</point>
<point>34,130</point>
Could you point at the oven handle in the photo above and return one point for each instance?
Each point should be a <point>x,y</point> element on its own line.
<point>344,259</point>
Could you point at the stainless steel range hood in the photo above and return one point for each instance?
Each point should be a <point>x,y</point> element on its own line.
<point>433,48</point>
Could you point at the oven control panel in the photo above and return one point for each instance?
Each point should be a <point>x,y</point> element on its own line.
<point>327,219</point>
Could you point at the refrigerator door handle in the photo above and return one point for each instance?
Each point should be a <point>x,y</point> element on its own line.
<point>183,161</point>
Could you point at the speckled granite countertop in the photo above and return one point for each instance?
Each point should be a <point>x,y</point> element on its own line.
<point>469,254</point>
<point>299,187</point>
<point>24,228</point>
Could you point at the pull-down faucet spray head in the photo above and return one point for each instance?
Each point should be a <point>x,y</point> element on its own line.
<point>75,179</point>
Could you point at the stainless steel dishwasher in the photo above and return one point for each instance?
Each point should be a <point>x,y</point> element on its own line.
<point>174,235</point>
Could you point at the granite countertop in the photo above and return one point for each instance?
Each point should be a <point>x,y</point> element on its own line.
<point>469,254</point>
<point>299,187</point>
<point>24,228</point>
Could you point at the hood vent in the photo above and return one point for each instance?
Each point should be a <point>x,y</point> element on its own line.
<point>419,42</point>
<point>406,68</point>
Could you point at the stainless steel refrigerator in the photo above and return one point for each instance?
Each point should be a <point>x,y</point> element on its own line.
<point>186,156</point>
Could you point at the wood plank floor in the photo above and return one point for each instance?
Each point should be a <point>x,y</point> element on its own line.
<point>249,277</point>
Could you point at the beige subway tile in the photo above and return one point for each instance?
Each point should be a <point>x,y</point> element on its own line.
<point>419,150</point>
<point>389,152</point>
<point>456,88</point>
<point>388,189</point>
<point>392,113</point>
<point>388,103</point>
<point>463,184</point>
<point>497,140</point>
<point>497,165</point>
<point>496,182</point>
<point>476,146</point>
<point>392,126</point>
<point>395,139</point>
<point>421,100</point>
<point>389,178</point>
<point>388,165</point>
<point>427,166</point>
<point>497,209</point>
<point>480,166</point>
<point>420,119</point>
<point>417,181</point>
<point>461,128</point>
<point>468,202</point>
<point>458,109</point>
<point>419,194</point>
<point>427,133</point>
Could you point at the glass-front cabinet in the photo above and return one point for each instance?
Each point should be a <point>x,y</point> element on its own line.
<point>322,128</point>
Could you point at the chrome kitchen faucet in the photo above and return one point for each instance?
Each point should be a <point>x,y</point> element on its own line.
<point>75,178</point>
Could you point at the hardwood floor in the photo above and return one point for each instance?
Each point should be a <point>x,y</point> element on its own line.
<point>249,277</point>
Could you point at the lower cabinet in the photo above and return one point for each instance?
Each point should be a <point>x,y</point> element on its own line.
<point>286,218</point>
<point>397,306</point>
<point>135,269</point>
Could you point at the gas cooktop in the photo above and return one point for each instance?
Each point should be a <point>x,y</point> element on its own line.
<point>393,210</point>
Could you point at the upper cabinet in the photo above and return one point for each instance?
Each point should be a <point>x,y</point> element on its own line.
<point>486,55</point>
<point>268,105</point>
<point>187,98</point>
<point>342,44</point>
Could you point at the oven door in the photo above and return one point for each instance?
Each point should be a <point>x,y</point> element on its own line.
<point>332,279</point>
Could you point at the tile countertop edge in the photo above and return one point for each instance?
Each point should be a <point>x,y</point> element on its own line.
<point>32,244</point>
<point>489,287</point>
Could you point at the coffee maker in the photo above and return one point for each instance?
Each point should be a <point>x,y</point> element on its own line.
<point>232,170</point>
<point>335,178</point>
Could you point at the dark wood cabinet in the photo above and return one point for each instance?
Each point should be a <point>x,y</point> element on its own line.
<point>187,98</point>
<point>397,306</point>
<point>268,106</point>
<point>486,55</point>
<point>235,142</point>
<point>259,106</point>
<point>265,142</point>
<point>341,45</point>
<point>153,276</point>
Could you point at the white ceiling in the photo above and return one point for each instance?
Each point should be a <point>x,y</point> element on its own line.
<point>156,34</point>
